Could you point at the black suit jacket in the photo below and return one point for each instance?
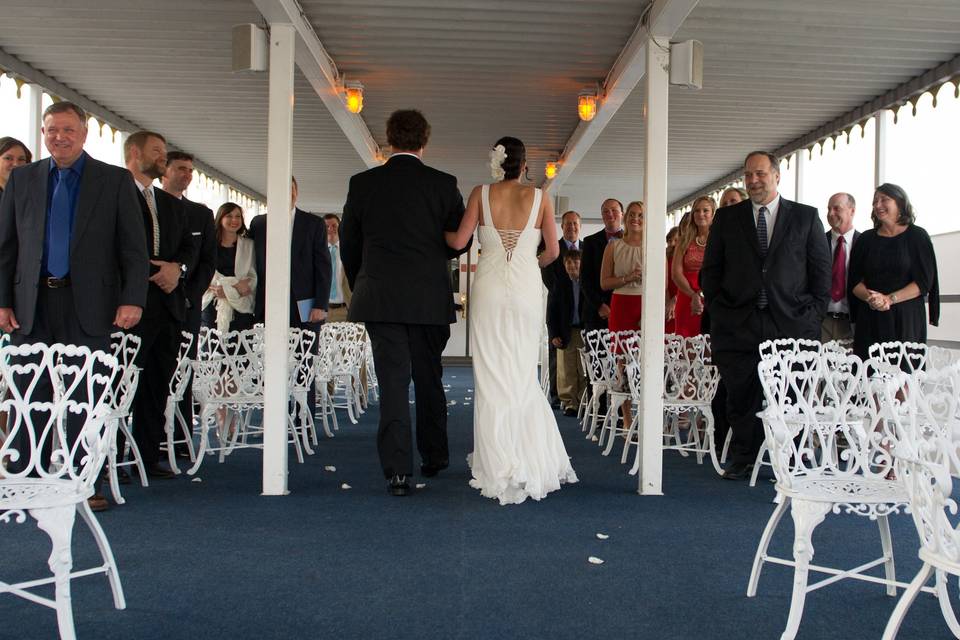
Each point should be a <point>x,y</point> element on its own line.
<point>592,248</point>
<point>199,274</point>
<point>392,244</point>
<point>560,310</point>
<point>108,252</point>
<point>555,271</point>
<point>310,269</point>
<point>795,273</point>
<point>176,245</point>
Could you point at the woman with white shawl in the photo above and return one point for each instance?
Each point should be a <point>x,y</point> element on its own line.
<point>228,302</point>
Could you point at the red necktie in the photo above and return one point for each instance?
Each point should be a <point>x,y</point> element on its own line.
<point>838,286</point>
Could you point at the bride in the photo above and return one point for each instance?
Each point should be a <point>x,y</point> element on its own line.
<point>518,452</point>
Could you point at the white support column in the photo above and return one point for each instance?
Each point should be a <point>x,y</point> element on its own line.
<point>34,123</point>
<point>650,411</point>
<point>277,320</point>
<point>880,152</point>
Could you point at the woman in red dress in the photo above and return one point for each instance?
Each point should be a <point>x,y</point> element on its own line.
<point>685,269</point>
<point>672,236</point>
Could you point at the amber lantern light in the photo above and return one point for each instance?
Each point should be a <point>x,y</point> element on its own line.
<point>587,105</point>
<point>551,171</point>
<point>354,97</point>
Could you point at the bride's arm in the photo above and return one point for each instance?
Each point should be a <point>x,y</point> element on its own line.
<point>548,229</point>
<point>458,239</point>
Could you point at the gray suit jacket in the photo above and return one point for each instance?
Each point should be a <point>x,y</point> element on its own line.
<point>108,247</point>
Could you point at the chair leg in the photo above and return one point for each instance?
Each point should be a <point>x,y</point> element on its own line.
<point>710,441</point>
<point>57,522</point>
<point>726,446</point>
<point>633,430</point>
<point>612,436</point>
<point>757,464</point>
<point>772,525</point>
<point>806,516</point>
<point>946,608</point>
<point>106,553</point>
<point>207,413</point>
<point>187,435</point>
<point>112,466</point>
<point>900,611</point>
<point>135,452</point>
<point>168,429</point>
<point>886,544</point>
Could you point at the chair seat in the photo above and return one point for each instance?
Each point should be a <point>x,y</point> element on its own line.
<point>857,489</point>
<point>37,493</point>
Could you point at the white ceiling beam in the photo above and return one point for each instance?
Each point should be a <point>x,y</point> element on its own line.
<point>321,72</point>
<point>662,20</point>
<point>21,69</point>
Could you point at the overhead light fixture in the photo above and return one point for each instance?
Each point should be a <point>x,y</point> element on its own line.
<point>587,104</point>
<point>551,170</point>
<point>354,96</point>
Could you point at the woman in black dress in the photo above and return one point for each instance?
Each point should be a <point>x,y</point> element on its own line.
<point>892,270</point>
<point>228,302</point>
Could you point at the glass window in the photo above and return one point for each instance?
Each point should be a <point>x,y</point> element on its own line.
<point>788,177</point>
<point>16,112</point>
<point>103,143</point>
<point>921,153</point>
<point>846,164</point>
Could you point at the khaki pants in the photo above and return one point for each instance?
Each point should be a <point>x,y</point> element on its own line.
<point>337,315</point>
<point>571,378</point>
<point>835,329</point>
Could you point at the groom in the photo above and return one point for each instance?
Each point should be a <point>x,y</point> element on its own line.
<point>396,260</point>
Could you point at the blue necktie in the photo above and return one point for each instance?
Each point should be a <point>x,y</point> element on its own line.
<point>333,264</point>
<point>762,240</point>
<point>58,258</point>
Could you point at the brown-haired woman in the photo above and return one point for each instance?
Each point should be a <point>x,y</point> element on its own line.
<point>685,270</point>
<point>13,154</point>
<point>892,270</point>
<point>228,302</point>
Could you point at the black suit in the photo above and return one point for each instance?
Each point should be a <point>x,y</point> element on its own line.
<point>560,311</point>
<point>396,260</point>
<point>159,329</point>
<point>551,274</point>
<point>310,273</point>
<point>795,274</point>
<point>108,254</point>
<point>204,234</point>
<point>592,248</point>
<point>310,269</point>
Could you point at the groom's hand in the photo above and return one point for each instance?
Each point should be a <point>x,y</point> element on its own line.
<point>317,315</point>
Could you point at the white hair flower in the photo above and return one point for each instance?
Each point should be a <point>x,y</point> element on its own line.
<point>497,157</point>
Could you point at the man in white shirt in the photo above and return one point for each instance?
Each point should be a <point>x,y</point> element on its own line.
<point>840,211</point>
<point>339,287</point>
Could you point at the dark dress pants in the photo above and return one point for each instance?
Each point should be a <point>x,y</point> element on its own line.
<point>744,393</point>
<point>55,321</point>
<point>160,340</point>
<point>721,425</point>
<point>399,351</point>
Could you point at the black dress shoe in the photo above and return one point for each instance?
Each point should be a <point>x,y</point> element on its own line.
<point>570,413</point>
<point>428,470</point>
<point>122,476</point>
<point>738,471</point>
<point>157,471</point>
<point>398,486</point>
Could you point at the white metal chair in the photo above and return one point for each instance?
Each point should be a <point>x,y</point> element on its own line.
<point>173,417</point>
<point>829,454</point>
<point>598,375</point>
<point>923,411</point>
<point>619,347</point>
<point>349,350</point>
<point>58,409</point>
<point>373,385</point>
<point>323,376</point>
<point>909,356</point>
<point>301,370</point>
<point>124,347</point>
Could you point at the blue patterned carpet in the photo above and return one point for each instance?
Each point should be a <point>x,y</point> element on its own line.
<point>213,559</point>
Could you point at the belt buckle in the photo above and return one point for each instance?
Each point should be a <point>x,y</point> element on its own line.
<point>56,283</point>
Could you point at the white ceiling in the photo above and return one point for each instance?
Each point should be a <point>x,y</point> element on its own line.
<point>479,69</point>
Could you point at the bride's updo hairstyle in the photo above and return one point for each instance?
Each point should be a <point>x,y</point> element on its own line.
<point>516,157</point>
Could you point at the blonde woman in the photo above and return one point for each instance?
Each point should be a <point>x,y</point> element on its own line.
<point>685,269</point>
<point>622,272</point>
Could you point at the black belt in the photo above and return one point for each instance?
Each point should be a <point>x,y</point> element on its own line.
<point>838,315</point>
<point>336,305</point>
<point>55,283</point>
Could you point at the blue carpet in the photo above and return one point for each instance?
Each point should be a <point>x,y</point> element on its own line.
<point>214,559</point>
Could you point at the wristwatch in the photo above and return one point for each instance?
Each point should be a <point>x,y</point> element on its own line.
<point>893,298</point>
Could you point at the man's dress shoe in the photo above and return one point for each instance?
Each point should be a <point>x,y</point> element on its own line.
<point>570,413</point>
<point>98,503</point>
<point>155,470</point>
<point>398,486</point>
<point>428,470</point>
<point>738,471</point>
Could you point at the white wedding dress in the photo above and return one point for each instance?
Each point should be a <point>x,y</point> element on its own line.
<point>518,452</point>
